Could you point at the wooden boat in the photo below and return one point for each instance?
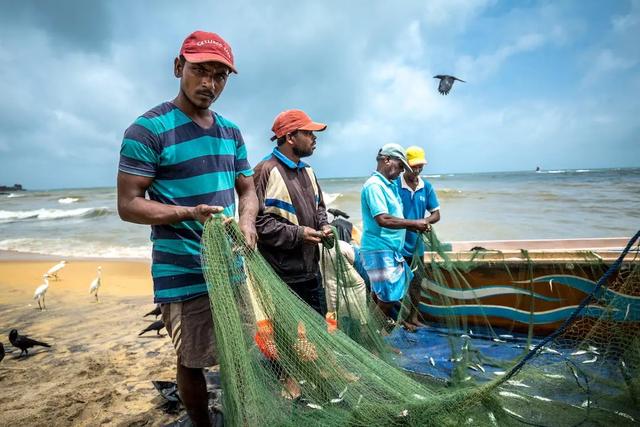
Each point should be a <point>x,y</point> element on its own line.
<point>515,285</point>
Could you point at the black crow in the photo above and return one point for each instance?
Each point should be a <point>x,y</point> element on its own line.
<point>155,312</point>
<point>23,342</point>
<point>1,352</point>
<point>155,326</point>
<point>446,82</point>
<point>337,212</point>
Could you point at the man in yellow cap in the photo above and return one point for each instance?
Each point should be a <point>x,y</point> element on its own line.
<point>419,200</point>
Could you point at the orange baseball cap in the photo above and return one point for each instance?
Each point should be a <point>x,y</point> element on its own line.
<point>292,120</point>
<point>201,46</point>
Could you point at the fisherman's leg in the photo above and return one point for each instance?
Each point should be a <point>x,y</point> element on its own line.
<point>190,326</point>
<point>311,292</point>
<point>414,296</point>
<point>192,387</point>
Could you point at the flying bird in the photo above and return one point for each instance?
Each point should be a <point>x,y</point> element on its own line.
<point>53,271</point>
<point>446,82</point>
<point>23,342</point>
<point>1,352</point>
<point>95,284</point>
<point>41,291</point>
<point>155,326</point>
<point>155,312</point>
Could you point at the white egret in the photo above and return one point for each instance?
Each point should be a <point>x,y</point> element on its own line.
<point>95,284</point>
<point>41,291</point>
<point>53,271</point>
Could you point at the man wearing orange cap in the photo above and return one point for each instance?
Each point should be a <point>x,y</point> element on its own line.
<point>292,217</point>
<point>170,153</point>
<point>419,200</point>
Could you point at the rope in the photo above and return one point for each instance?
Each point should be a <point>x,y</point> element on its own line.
<point>614,268</point>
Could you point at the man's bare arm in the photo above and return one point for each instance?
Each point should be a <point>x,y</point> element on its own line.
<point>133,207</point>
<point>389,221</point>
<point>247,208</point>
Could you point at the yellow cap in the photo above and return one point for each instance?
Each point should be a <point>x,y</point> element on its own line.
<point>415,156</point>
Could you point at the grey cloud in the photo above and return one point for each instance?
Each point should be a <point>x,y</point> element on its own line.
<point>100,64</point>
<point>70,24</point>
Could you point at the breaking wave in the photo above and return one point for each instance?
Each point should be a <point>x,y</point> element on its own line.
<point>52,214</point>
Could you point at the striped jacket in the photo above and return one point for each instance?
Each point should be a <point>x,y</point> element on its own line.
<point>290,198</point>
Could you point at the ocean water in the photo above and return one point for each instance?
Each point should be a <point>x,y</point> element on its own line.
<point>482,206</point>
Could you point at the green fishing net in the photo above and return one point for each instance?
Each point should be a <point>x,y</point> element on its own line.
<point>284,364</point>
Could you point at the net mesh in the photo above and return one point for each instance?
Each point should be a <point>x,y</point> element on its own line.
<point>284,364</point>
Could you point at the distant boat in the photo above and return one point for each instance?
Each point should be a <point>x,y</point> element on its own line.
<point>537,168</point>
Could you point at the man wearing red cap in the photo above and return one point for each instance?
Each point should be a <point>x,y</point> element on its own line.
<point>292,217</point>
<point>171,153</point>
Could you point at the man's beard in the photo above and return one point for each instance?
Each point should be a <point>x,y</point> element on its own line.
<point>301,153</point>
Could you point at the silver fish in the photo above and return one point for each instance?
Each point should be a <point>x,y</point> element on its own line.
<point>512,413</point>
<point>517,383</point>
<point>550,350</point>
<point>509,394</point>
<point>554,376</point>
<point>314,406</point>
<point>544,399</point>
<point>622,414</point>
<point>578,353</point>
<point>433,362</point>
<point>591,360</point>
<point>342,393</point>
<point>493,418</point>
<point>480,367</point>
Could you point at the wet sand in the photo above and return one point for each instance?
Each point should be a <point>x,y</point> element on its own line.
<point>97,371</point>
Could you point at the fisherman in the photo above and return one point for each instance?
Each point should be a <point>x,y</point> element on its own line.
<point>292,218</point>
<point>385,228</point>
<point>419,201</point>
<point>188,159</point>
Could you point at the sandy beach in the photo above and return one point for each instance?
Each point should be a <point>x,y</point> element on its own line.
<point>97,371</point>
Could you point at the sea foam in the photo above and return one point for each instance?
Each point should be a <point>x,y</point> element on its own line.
<point>52,214</point>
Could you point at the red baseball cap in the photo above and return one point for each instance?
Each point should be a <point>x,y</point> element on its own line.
<point>201,46</point>
<point>292,120</point>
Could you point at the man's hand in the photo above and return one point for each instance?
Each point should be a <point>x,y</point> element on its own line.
<point>327,231</point>
<point>311,236</point>
<point>420,225</point>
<point>248,229</point>
<point>203,212</point>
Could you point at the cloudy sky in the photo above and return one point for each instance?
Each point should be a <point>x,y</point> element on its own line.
<point>555,84</point>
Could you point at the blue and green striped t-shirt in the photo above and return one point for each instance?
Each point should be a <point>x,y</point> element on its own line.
<point>189,166</point>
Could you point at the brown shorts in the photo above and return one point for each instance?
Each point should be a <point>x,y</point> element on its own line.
<point>190,326</point>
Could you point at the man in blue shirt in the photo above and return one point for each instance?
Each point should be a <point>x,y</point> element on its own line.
<point>384,229</point>
<point>419,201</point>
<point>189,160</point>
